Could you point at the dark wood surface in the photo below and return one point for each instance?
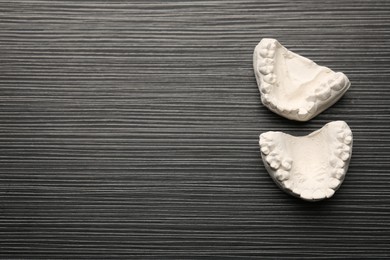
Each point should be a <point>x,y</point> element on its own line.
<point>129,129</point>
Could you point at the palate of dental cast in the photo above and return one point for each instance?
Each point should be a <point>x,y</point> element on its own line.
<point>311,167</point>
<point>294,86</point>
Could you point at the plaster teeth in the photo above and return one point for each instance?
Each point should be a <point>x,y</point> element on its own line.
<point>282,175</point>
<point>286,164</point>
<point>319,194</point>
<point>336,162</point>
<point>310,107</point>
<point>311,167</point>
<point>266,69</point>
<point>296,79</point>
<point>348,139</point>
<point>344,156</point>
<point>287,184</point>
<point>338,173</point>
<point>265,88</point>
<point>323,93</point>
<point>302,113</point>
<point>340,81</point>
<point>270,78</point>
<point>307,195</point>
<point>329,193</point>
<point>265,99</point>
<point>263,52</point>
<point>334,183</point>
<point>265,150</point>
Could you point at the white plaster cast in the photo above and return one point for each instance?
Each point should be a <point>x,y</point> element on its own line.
<point>311,167</point>
<point>294,86</point>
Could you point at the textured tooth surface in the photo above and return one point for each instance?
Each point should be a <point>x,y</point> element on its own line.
<point>310,107</point>
<point>287,184</point>
<point>270,78</point>
<point>263,52</point>
<point>334,183</point>
<point>266,88</point>
<point>339,173</point>
<point>275,164</point>
<point>339,82</point>
<point>295,81</point>
<point>324,94</point>
<point>265,69</point>
<point>265,150</point>
<point>344,156</point>
<point>265,99</point>
<point>308,166</point>
<point>336,162</point>
<point>297,190</point>
<point>329,193</point>
<point>318,194</point>
<point>302,112</point>
<point>348,140</point>
<point>286,164</point>
<point>307,194</point>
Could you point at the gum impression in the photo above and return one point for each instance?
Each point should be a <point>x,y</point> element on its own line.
<point>294,86</point>
<point>311,167</point>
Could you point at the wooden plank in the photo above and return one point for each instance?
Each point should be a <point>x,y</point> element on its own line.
<point>129,129</point>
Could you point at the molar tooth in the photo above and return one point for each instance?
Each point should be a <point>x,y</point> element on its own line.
<point>348,139</point>
<point>330,82</point>
<point>268,61</point>
<point>270,78</point>
<point>323,93</point>
<point>272,46</point>
<point>339,82</point>
<point>265,99</point>
<point>263,52</point>
<point>265,88</point>
<point>270,54</point>
<point>272,105</point>
<point>265,70</point>
<point>344,156</point>
<point>265,150</point>
<point>336,162</point>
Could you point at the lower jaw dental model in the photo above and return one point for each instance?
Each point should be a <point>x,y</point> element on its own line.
<point>311,167</point>
<point>294,86</point>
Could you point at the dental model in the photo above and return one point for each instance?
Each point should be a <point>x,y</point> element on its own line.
<point>311,167</point>
<point>294,86</point>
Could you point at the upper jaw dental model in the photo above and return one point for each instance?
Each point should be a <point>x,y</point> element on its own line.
<point>294,86</point>
<point>311,167</point>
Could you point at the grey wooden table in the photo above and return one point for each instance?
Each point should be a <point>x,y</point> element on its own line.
<point>129,129</point>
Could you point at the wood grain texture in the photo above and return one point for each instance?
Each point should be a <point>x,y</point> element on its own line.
<point>129,129</point>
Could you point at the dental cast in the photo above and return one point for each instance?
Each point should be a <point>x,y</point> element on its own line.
<point>311,167</point>
<point>294,86</point>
